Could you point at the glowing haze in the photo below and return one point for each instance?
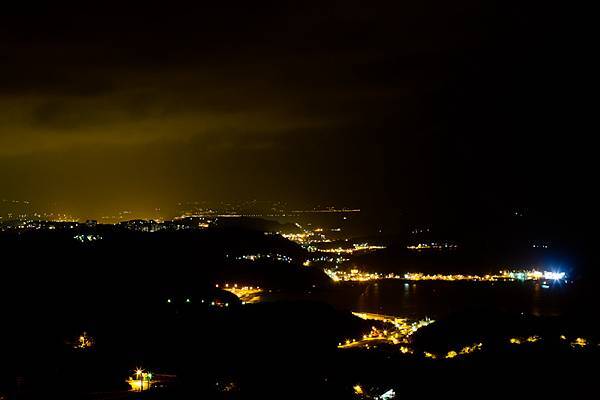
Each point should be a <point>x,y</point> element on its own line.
<point>342,103</point>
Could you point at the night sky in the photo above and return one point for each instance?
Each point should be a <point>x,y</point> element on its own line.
<point>415,105</point>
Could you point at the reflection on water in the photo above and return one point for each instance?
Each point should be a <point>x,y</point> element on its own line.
<point>437,299</point>
<point>369,299</point>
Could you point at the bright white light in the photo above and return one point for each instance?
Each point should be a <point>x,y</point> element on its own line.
<point>390,394</point>
<point>554,275</point>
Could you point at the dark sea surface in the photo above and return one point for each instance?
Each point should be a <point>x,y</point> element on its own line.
<point>439,299</point>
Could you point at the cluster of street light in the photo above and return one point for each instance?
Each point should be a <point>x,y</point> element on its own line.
<point>309,238</point>
<point>211,303</point>
<point>399,333</point>
<point>521,340</point>
<point>328,259</point>
<point>454,353</point>
<point>432,246</point>
<point>247,294</point>
<point>356,248</point>
<point>504,275</point>
<point>354,275</point>
<point>401,336</point>
<point>306,237</point>
<point>83,342</point>
<point>268,257</point>
<point>576,342</point>
<point>87,238</point>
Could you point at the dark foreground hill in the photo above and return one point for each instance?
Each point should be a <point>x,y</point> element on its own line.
<point>46,266</point>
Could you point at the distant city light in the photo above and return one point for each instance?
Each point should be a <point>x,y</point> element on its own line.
<point>520,275</point>
<point>83,342</point>
<point>247,294</point>
<point>403,329</point>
